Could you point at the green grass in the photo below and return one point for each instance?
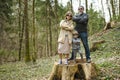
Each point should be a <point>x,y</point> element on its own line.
<point>23,71</point>
<point>107,56</point>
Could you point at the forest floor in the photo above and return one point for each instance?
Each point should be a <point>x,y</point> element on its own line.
<point>106,57</point>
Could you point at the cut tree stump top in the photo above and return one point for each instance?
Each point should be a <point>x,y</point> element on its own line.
<point>74,71</point>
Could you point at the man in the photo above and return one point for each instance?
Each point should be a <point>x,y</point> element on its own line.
<point>81,21</point>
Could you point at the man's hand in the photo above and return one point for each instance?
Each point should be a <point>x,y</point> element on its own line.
<point>76,18</point>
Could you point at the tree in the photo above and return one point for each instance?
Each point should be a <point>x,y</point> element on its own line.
<point>46,28</point>
<point>71,6</point>
<point>76,71</point>
<point>119,10</point>
<point>41,22</point>
<point>102,8</point>
<point>107,17</point>
<point>95,19</point>
<point>27,52</point>
<point>79,2</point>
<point>49,45</point>
<point>29,18</point>
<point>34,32</point>
<point>56,19</point>
<point>20,36</point>
<point>109,9</point>
<point>86,4</point>
<point>113,8</point>
<point>5,17</point>
<point>5,9</point>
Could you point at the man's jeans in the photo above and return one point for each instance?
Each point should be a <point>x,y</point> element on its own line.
<point>84,39</point>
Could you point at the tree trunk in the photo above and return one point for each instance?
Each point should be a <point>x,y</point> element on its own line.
<point>71,5</point>
<point>119,10</point>
<point>103,8</point>
<point>56,27</point>
<point>109,10</point>
<point>34,34</point>
<point>74,71</point>
<point>50,34</point>
<point>96,45</point>
<point>20,31</point>
<point>109,13</point>
<point>47,44</point>
<point>113,8</point>
<point>107,26</point>
<point>27,53</point>
<point>86,4</point>
<point>21,39</point>
<point>49,25</point>
<point>108,19</point>
<point>79,3</point>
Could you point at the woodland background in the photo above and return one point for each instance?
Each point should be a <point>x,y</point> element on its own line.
<point>29,29</point>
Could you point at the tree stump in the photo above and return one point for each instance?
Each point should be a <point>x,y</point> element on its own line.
<point>96,45</point>
<point>74,71</point>
<point>107,26</point>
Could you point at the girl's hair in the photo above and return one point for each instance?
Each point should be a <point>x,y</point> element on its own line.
<point>69,13</point>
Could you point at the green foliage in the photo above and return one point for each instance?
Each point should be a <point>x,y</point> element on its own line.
<point>106,64</point>
<point>61,12</point>
<point>5,8</point>
<point>117,19</point>
<point>5,15</point>
<point>43,24</point>
<point>96,22</point>
<point>41,12</point>
<point>6,55</point>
